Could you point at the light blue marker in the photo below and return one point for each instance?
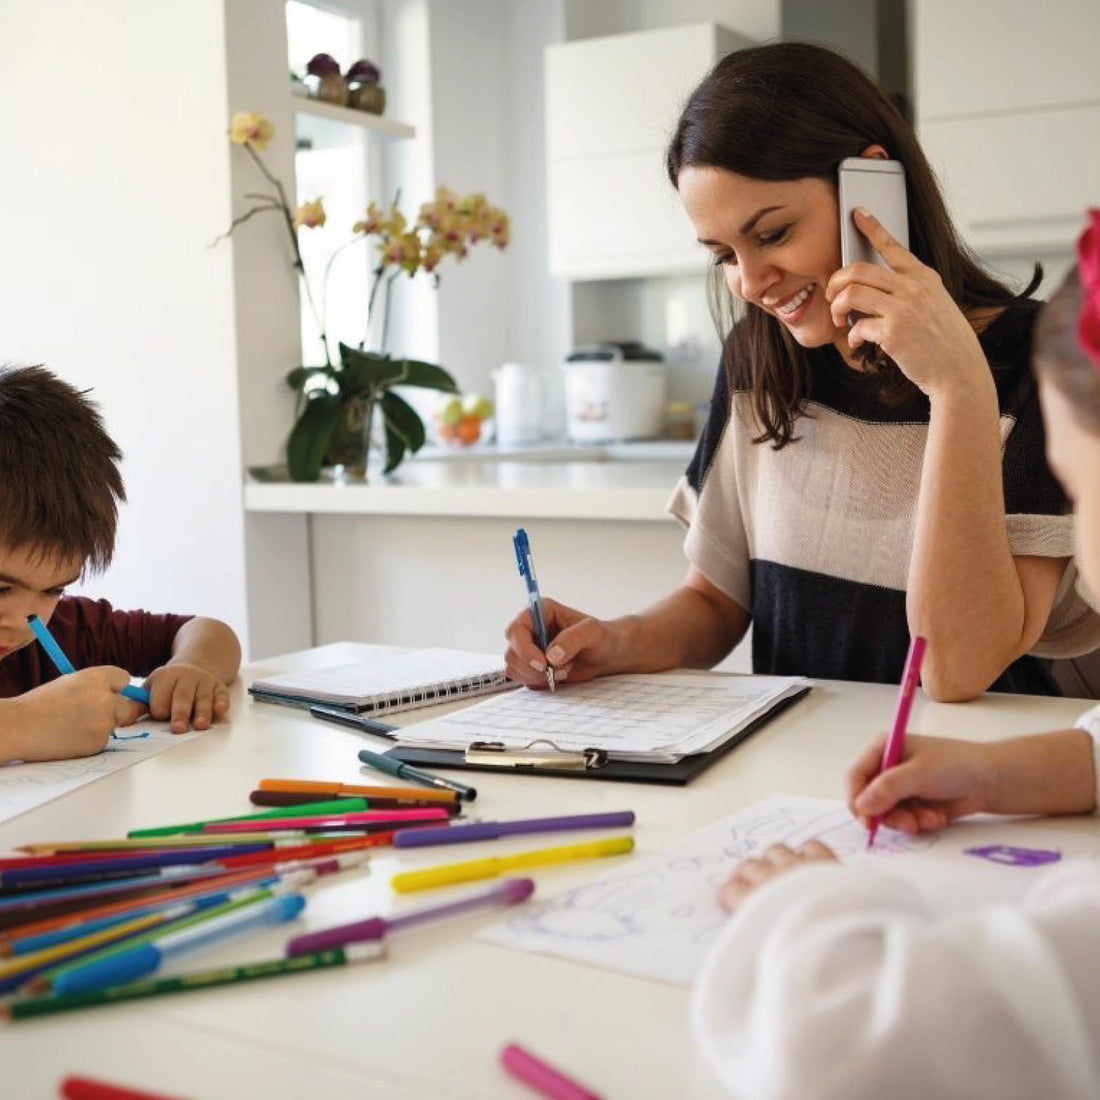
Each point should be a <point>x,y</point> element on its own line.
<point>63,665</point>
<point>133,963</point>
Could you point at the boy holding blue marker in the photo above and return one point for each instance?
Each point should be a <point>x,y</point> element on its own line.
<point>59,491</point>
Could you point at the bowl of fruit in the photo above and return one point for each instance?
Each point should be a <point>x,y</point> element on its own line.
<point>463,421</point>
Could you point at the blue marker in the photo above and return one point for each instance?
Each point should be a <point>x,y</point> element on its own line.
<point>63,665</point>
<point>534,599</point>
<point>132,963</point>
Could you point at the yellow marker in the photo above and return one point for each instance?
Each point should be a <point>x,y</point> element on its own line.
<point>447,873</point>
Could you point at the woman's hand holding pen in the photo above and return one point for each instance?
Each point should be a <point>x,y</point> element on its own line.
<point>581,647</point>
<point>908,313</point>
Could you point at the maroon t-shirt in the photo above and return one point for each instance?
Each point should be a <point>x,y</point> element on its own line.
<point>92,632</point>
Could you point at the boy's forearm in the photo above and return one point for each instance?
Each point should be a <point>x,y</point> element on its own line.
<point>10,732</point>
<point>1045,773</point>
<point>210,644</point>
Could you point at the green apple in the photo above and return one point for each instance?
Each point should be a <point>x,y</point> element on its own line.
<point>474,404</point>
<point>450,412</point>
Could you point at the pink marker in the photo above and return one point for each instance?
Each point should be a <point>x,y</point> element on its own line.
<point>327,821</point>
<point>895,743</point>
<point>541,1077</point>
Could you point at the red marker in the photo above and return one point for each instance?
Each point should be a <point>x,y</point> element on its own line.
<point>85,1088</point>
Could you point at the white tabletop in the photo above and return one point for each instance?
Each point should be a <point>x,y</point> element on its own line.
<point>431,1018</point>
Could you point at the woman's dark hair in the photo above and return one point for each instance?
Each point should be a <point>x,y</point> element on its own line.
<point>1057,355</point>
<point>793,111</point>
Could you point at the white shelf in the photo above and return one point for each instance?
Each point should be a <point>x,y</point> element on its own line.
<point>550,490</point>
<point>385,129</point>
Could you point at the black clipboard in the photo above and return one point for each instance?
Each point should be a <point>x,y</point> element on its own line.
<point>622,771</point>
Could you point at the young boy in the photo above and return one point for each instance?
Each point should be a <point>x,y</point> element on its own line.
<point>836,981</point>
<point>59,491</point>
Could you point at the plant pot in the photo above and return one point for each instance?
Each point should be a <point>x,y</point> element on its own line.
<point>356,452</point>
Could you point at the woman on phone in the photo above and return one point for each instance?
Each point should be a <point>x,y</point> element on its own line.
<point>857,482</point>
<point>835,981</point>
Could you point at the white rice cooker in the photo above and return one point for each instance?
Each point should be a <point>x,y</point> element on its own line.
<point>614,391</point>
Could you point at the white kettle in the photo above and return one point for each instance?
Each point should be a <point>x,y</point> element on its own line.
<point>520,402</point>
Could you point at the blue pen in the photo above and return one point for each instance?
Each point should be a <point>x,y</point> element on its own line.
<point>534,599</point>
<point>62,663</point>
<point>132,963</point>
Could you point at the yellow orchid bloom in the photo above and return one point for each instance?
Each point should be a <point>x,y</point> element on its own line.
<point>310,214</point>
<point>250,128</point>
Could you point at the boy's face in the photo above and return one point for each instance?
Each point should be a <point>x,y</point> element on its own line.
<point>30,584</point>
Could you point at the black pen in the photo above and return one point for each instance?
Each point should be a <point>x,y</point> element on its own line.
<point>353,720</point>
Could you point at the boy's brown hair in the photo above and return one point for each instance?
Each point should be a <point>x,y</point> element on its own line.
<point>59,478</point>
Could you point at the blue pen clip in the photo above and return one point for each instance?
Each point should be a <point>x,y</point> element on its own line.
<point>534,599</point>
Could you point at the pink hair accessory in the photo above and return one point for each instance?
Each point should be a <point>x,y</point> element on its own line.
<point>1088,269</point>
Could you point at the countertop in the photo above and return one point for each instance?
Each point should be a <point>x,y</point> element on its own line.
<point>626,481</point>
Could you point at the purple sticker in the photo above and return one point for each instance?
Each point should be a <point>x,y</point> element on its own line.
<point>1012,856</point>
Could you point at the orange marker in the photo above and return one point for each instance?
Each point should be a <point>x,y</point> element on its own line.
<point>337,790</point>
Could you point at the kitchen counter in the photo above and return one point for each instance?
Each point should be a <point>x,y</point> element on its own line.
<point>631,481</point>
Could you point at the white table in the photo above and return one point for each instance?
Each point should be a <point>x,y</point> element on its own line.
<point>429,1020</point>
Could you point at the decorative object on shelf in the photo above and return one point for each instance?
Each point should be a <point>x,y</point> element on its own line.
<point>463,421</point>
<point>338,407</point>
<point>298,87</point>
<point>365,92</point>
<point>325,80</point>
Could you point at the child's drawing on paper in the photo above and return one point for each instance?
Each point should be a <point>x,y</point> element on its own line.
<point>656,916</point>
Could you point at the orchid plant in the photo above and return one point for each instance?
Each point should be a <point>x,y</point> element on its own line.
<point>337,401</point>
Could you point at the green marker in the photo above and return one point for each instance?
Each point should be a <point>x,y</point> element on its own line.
<point>200,979</point>
<point>304,809</point>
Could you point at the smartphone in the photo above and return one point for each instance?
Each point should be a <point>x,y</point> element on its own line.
<point>878,186</point>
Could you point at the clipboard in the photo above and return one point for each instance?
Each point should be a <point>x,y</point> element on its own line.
<point>543,758</point>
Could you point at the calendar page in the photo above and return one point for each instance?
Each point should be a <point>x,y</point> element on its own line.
<point>656,717</point>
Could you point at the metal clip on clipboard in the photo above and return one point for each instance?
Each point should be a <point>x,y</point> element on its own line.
<point>497,755</point>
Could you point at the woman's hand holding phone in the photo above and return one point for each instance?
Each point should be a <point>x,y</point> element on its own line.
<point>907,312</point>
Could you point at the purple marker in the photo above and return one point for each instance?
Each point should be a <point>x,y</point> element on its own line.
<point>491,830</point>
<point>509,892</point>
<point>1012,856</point>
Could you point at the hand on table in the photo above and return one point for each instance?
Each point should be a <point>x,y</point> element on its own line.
<point>190,696</point>
<point>751,873</point>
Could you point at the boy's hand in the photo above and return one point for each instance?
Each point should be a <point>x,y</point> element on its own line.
<point>70,716</point>
<point>751,873</point>
<point>938,780</point>
<point>189,695</point>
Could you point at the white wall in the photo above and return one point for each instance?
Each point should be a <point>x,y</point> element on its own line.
<point>115,181</point>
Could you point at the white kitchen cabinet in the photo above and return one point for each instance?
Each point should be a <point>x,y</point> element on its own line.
<point>1008,110</point>
<point>611,106</point>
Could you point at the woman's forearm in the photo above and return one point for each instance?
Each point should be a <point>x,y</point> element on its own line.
<point>691,628</point>
<point>964,593</point>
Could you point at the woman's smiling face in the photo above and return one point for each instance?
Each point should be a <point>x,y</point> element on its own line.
<point>778,243</point>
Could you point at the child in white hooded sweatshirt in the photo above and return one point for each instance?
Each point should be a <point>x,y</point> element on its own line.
<point>838,982</point>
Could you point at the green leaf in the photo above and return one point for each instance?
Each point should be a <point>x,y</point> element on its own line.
<point>415,372</point>
<point>364,371</point>
<point>309,438</point>
<point>404,421</point>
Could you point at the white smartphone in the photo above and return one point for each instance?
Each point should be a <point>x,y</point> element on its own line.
<point>878,186</point>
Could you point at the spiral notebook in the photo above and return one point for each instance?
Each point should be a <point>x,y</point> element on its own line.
<point>388,684</point>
